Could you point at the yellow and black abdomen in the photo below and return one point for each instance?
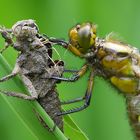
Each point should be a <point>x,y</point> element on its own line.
<point>119,62</point>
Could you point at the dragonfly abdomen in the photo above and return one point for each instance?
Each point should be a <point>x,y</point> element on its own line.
<point>133,109</point>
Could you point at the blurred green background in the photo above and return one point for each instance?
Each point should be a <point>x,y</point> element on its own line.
<point>106,118</point>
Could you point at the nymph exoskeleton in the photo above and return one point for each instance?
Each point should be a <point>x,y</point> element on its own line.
<point>34,64</point>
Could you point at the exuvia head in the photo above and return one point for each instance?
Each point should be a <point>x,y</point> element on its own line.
<point>25,32</point>
<point>25,29</point>
<point>82,37</point>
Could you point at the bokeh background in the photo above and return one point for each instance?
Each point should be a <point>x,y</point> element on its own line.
<point>106,118</point>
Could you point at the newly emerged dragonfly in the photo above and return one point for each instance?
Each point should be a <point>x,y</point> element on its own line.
<point>115,61</point>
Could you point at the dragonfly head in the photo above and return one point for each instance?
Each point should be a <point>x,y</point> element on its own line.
<point>82,37</point>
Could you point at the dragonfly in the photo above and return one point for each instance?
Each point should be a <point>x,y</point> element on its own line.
<point>117,62</point>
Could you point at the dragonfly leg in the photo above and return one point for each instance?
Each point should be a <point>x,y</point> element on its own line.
<point>87,97</point>
<point>75,77</point>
